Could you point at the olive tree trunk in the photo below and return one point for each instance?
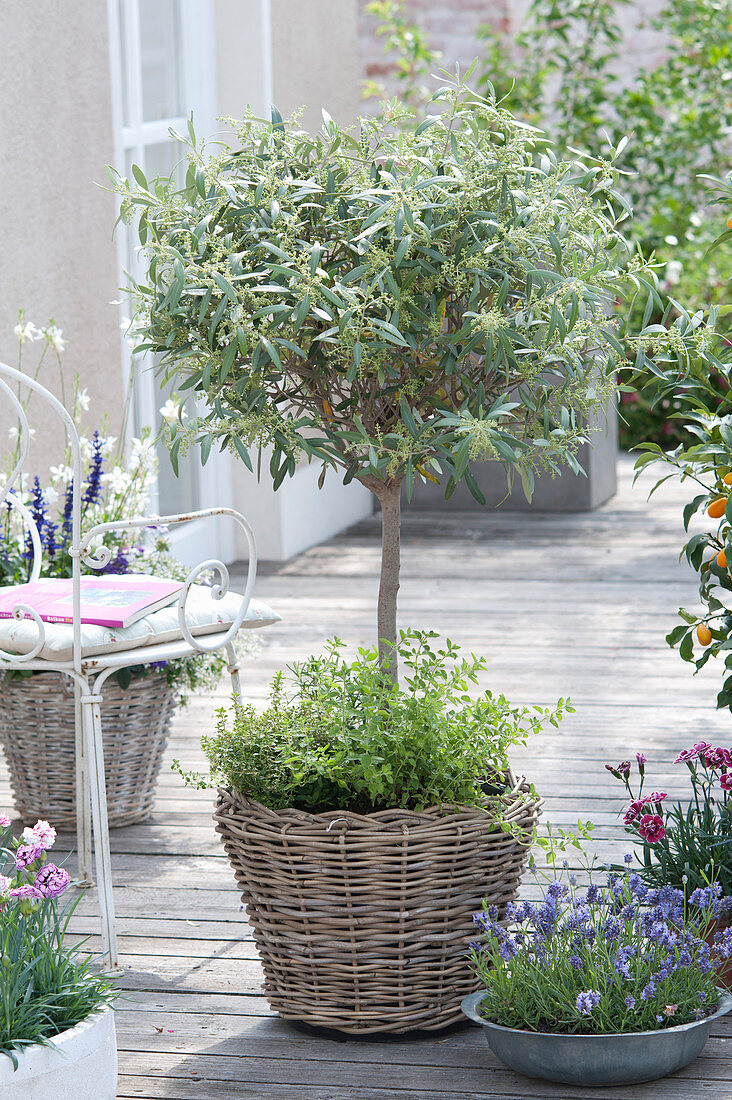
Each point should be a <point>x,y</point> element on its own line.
<point>389,497</point>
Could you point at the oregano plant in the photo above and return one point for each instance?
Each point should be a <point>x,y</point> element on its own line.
<point>394,302</point>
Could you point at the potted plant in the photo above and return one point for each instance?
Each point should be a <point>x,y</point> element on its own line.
<point>608,984</point>
<point>394,304</point>
<point>397,304</point>
<point>37,727</point>
<point>363,821</point>
<point>57,1032</point>
<point>685,844</point>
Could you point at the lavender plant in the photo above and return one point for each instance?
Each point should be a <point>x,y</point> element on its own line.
<point>603,959</point>
<point>48,985</point>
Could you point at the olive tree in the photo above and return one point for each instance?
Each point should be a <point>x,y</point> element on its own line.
<point>395,303</point>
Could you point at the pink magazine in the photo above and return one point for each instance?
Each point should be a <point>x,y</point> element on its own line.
<point>109,600</point>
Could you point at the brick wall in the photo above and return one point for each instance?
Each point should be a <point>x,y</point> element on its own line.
<point>451,27</point>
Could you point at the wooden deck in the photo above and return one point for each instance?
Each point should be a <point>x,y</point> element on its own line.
<point>561,605</point>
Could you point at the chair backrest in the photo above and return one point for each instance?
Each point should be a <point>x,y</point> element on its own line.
<point>12,385</point>
<point>89,549</point>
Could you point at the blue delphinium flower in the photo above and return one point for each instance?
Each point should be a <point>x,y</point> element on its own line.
<point>93,484</point>
<point>44,525</point>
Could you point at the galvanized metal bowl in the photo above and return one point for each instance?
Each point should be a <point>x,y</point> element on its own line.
<point>588,1060</point>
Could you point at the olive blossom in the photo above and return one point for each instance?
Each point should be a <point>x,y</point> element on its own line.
<point>396,303</point>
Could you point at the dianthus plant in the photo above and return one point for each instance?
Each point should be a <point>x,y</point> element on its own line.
<point>394,303</point>
<point>611,957</point>
<point>689,843</point>
<point>47,985</point>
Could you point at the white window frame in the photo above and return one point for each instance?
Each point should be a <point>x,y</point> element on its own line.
<point>191,541</point>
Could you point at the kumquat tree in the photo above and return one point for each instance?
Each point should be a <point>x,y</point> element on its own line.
<point>396,303</point>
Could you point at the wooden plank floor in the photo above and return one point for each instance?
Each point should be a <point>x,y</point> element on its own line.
<point>561,605</point>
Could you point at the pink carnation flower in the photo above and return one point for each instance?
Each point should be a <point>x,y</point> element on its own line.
<point>4,821</point>
<point>27,854</point>
<point>51,881</point>
<point>650,827</point>
<point>24,891</point>
<point>5,884</point>
<point>42,834</point>
<point>685,756</point>
<point>655,797</point>
<point>635,809</point>
<point>725,781</point>
<point>714,758</point>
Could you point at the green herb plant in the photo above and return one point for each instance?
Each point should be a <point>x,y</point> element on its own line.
<point>339,735</point>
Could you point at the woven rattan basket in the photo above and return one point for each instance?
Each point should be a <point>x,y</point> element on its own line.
<point>362,922</point>
<point>37,737</point>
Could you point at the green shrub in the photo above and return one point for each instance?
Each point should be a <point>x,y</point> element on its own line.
<point>340,735</point>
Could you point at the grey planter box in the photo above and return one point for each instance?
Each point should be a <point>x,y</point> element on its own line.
<point>568,493</point>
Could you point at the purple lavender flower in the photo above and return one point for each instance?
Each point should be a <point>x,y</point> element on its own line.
<point>586,1001</point>
<point>611,929</point>
<point>575,961</point>
<point>622,960</point>
<point>51,881</point>
<point>27,854</point>
<point>630,1001</point>
<point>507,949</point>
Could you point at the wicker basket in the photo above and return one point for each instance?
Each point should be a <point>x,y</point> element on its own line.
<point>362,922</point>
<point>37,737</point>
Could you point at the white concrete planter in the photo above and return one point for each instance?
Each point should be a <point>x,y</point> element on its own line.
<point>79,1063</point>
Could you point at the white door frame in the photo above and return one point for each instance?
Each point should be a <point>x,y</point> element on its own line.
<point>212,538</point>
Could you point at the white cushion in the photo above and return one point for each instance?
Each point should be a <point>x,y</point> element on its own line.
<point>203,614</point>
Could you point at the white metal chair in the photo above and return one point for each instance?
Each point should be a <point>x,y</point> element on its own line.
<point>90,674</point>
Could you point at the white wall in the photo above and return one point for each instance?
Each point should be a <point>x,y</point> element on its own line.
<point>57,256</point>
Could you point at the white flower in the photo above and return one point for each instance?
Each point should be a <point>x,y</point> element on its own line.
<point>671,239</point>
<point>107,444</point>
<point>118,480</point>
<point>143,453</point>
<point>673,272</point>
<point>42,834</point>
<point>83,399</point>
<point>5,884</point>
<point>50,494</point>
<point>27,332</point>
<point>54,335</point>
<point>61,473</point>
<point>13,433</point>
<point>171,412</point>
